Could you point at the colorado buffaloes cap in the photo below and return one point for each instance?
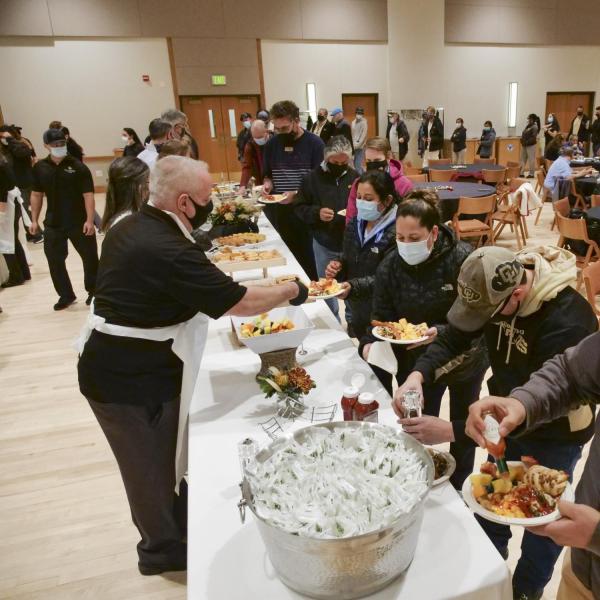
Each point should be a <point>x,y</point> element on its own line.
<point>487,278</point>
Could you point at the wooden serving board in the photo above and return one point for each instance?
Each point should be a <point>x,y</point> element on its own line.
<point>249,265</point>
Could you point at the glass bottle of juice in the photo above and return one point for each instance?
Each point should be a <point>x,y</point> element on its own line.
<point>366,409</point>
<point>495,444</point>
<point>348,402</point>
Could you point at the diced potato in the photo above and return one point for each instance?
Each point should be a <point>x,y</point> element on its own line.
<point>502,486</point>
<point>478,491</point>
<point>483,479</point>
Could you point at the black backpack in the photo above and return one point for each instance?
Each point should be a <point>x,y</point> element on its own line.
<point>593,229</point>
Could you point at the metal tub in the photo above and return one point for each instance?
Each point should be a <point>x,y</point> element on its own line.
<point>343,568</point>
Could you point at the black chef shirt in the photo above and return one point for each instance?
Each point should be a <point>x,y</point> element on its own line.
<point>150,275</point>
<point>64,185</point>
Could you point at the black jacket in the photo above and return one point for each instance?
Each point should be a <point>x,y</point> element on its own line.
<point>402,131</point>
<point>584,133</point>
<point>559,324</point>
<point>359,264</point>
<point>343,128</point>
<point>486,143</point>
<point>459,139</point>
<point>555,128</point>
<point>320,189</point>
<point>529,135</point>
<point>596,131</point>
<point>19,157</point>
<point>244,136</point>
<point>436,135</point>
<point>133,149</point>
<point>326,132</point>
<point>419,293</point>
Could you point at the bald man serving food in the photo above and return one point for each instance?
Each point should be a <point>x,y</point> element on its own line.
<point>141,348</point>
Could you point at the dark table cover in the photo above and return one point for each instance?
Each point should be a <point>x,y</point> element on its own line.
<point>594,212</point>
<point>587,185</point>
<point>449,198</point>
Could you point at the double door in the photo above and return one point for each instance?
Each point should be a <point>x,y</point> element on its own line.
<point>564,106</point>
<point>215,123</point>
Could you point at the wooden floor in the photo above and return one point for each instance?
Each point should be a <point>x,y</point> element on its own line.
<point>65,525</point>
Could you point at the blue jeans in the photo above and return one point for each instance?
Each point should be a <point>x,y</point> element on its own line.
<point>359,156</point>
<point>538,554</point>
<point>323,256</point>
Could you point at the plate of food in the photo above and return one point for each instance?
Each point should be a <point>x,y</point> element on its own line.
<point>271,198</point>
<point>264,325</point>
<point>444,465</point>
<point>324,289</point>
<point>241,239</point>
<point>399,332</point>
<point>527,495</point>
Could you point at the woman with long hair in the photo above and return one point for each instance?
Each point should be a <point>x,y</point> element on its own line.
<point>127,189</point>
<point>133,144</point>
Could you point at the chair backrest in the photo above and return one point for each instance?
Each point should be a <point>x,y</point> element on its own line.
<point>562,207</point>
<point>512,163</point>
<point>540,161</point>
<point>439,161</point>
<point>595,200</point>
<point>591,278</point>
<point>493,176</point>
<point>572,229</point>
<point>540,178</point>
<point>517,182</point>
<point>476,206</point>
<point>441,174</point>
<point>512,172</point>
<point>410,170</point>
<point>485,161</point>
<point>418,178</point>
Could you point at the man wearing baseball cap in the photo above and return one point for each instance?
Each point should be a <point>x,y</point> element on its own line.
<point>69,189</point>
<point>526,308</point>
<point>342,127</point>
<point>360,130</point>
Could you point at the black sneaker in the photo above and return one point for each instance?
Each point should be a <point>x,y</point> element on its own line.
<point>9,283</point>
<point>89,299</point>
<point>64,303</point>
<point>158,569</point>
<point>527,595</point>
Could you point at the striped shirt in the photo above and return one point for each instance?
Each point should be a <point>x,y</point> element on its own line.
<point>287,168</point>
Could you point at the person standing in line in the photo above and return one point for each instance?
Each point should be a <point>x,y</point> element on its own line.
<point>580,126</point>
<point>398,136</point>
<point>181,129</point>
<point>434,140</point>
<point>486,141</point>
<point>289,156</point>
<point>133,144</point>
<point>160,131</point>
<point>323,127</point>
<point>244,135</point>
<point>360,129</point>
<point>596,133</point>
<point>252,165</point>
<point>69,189</point>
<point>341,126</point>
<point>459,142</point>
<point>551,128</point>
<point>529,146</point>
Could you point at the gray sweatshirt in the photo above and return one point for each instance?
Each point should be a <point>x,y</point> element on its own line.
<point>359,133</point>
<point>563,383</point>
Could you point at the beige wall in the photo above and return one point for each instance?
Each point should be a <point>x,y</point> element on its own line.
<point>524,22</point>
<point>473,81</point>
<point>335,68</point>
<point>94,86</point>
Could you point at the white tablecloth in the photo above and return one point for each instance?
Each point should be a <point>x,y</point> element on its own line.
<point>227,560</point>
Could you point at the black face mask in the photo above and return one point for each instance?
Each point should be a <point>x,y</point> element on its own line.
<point>579,113</point>
<point>377,165</point>
<point>201,214</point>
<point>158,147</point>
<point>320,117</point>
<point>337,170</point>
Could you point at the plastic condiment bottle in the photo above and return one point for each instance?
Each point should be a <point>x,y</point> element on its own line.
<point>366,409</point>
<point>495,444</point>
<point>348,402</point>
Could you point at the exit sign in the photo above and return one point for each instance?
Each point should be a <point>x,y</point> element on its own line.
<point>219,79</point>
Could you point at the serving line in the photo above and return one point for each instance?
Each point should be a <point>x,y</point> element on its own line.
<point>454,558</point>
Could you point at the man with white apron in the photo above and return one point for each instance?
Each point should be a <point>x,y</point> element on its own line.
<point>141,348</point>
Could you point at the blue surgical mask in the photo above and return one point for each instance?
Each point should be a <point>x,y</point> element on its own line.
<point>414,253</point>
<point>486,129</point>
<point>58,152</point>
<point>367,211</point>
<point>261,141</point>
<point>247,124</point>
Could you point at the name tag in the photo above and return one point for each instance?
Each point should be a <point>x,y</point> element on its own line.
<point>375,250</point>
<point>447,287</point>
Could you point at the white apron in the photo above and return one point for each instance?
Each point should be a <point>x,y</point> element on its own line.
<point>7,221</point>
<point>189,340</point>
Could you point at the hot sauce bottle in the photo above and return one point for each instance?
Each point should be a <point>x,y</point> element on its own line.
<point>348,402</point>
<point>495,444</point>
<point>366,409</point>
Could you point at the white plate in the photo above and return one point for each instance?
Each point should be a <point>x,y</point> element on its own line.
<point>449,470</point>
<point>328,297</point>
<point>470,501</point>
<point>401,342</point>
<point>277,198</point>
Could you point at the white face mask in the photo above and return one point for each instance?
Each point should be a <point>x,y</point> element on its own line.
<point>414,253</point>
<point>59,152</point>
<point>125,138</point>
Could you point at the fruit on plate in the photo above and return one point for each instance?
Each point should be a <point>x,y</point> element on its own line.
<point>263,325</point>
<point>400,330</point>
<point>324,287</point>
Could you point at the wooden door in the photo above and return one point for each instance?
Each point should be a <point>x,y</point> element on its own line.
<point>564,106</point>
<point>215,122</point>
<point>370,102</point>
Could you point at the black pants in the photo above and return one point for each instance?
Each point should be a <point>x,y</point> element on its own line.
<point>18,268</point>
<point>56,249</point>
<point>143,441</point>
<point>295,235</point>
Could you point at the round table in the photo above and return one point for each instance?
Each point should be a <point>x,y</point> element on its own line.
<point>449,198</point>
<point>468,170</point>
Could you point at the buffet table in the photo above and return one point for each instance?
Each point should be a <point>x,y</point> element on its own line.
<point>227,560</point>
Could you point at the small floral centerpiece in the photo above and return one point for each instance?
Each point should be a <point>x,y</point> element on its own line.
<point>289,386</point>
<point>231,217</point>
